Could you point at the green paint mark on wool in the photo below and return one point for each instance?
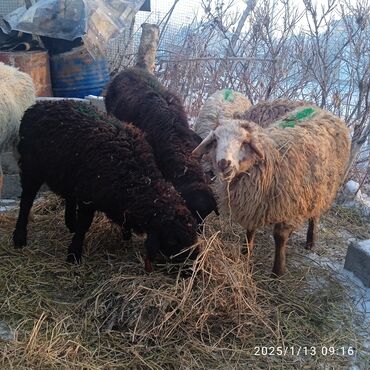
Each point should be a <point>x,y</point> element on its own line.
<point>285,124</point>
<point>305,113</point>
<point>87,110</point>
<point>291,120</point>
<point>228,95</point>
<point>93,113</point>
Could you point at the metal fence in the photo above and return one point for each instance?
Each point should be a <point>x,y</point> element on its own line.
<point>123,49</point>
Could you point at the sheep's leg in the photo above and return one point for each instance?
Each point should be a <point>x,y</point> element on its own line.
<point>281,234</point>
<point>70,214</point>
<point>311,232</point>
<point>152,245</point>
<point>250,240</point>
<point>29,191</point>
<point>85,216</point>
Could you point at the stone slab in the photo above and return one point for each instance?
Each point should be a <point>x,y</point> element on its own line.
<point>358,260</point>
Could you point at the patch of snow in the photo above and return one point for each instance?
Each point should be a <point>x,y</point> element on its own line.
<point>6,208</point>
<point>7,204</point>
<point>352,186</point>
<point>7,201</point>
<point>361,201</point>
<point>94,97</point>
<point>364,245</point>
<point>359,294</point>
<point>347,277</point>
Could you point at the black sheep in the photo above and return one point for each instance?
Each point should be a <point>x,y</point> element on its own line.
<point>103,165</point>
<point>136,96</point>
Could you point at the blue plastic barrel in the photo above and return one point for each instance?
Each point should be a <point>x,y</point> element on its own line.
<point>76,74</point>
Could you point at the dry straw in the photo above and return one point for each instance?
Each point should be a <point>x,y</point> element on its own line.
<point>108,313</point>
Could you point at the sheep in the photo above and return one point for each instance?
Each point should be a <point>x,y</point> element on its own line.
<point>221,104</point>
<point>263,113</point>
<point>281,175</point>
<point>266,112</point>
<point>86,157</point>
<point>17,93</point>
<point>136,96</point>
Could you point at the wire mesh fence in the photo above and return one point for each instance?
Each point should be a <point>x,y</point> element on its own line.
<point>7,6</point>
<point>173,26</point>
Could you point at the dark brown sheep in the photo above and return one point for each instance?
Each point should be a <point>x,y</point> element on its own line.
<point>136,96</point>
<point>102,165</point>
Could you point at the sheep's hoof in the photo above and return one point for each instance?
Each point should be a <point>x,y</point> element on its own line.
<point>19,240</point>
<point>277,274</point>
<point>71,228</point>
<point>309,245</point>
<point>72,258</point>
<point>126,235</point>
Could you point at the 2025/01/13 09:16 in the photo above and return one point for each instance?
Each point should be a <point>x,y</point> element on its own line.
<point>303,351</point>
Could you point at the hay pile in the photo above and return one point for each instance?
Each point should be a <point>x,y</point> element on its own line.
<point>107,313</point>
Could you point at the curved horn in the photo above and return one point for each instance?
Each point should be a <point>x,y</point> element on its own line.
<point>205,145</point>
<point>246,125</point>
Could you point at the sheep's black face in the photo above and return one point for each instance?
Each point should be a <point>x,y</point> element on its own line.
<point>201,202</point>
<point>172,238</point>
<point>177,236</point>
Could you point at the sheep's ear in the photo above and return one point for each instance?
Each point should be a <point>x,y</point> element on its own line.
<point>257,148</point>
<point>246,126</point>
<point>205,145</point>
<point>254,142</point>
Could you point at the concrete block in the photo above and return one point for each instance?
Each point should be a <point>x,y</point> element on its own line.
<point>96,101</point>
<point>358,260</point>
<point>9,164</point>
